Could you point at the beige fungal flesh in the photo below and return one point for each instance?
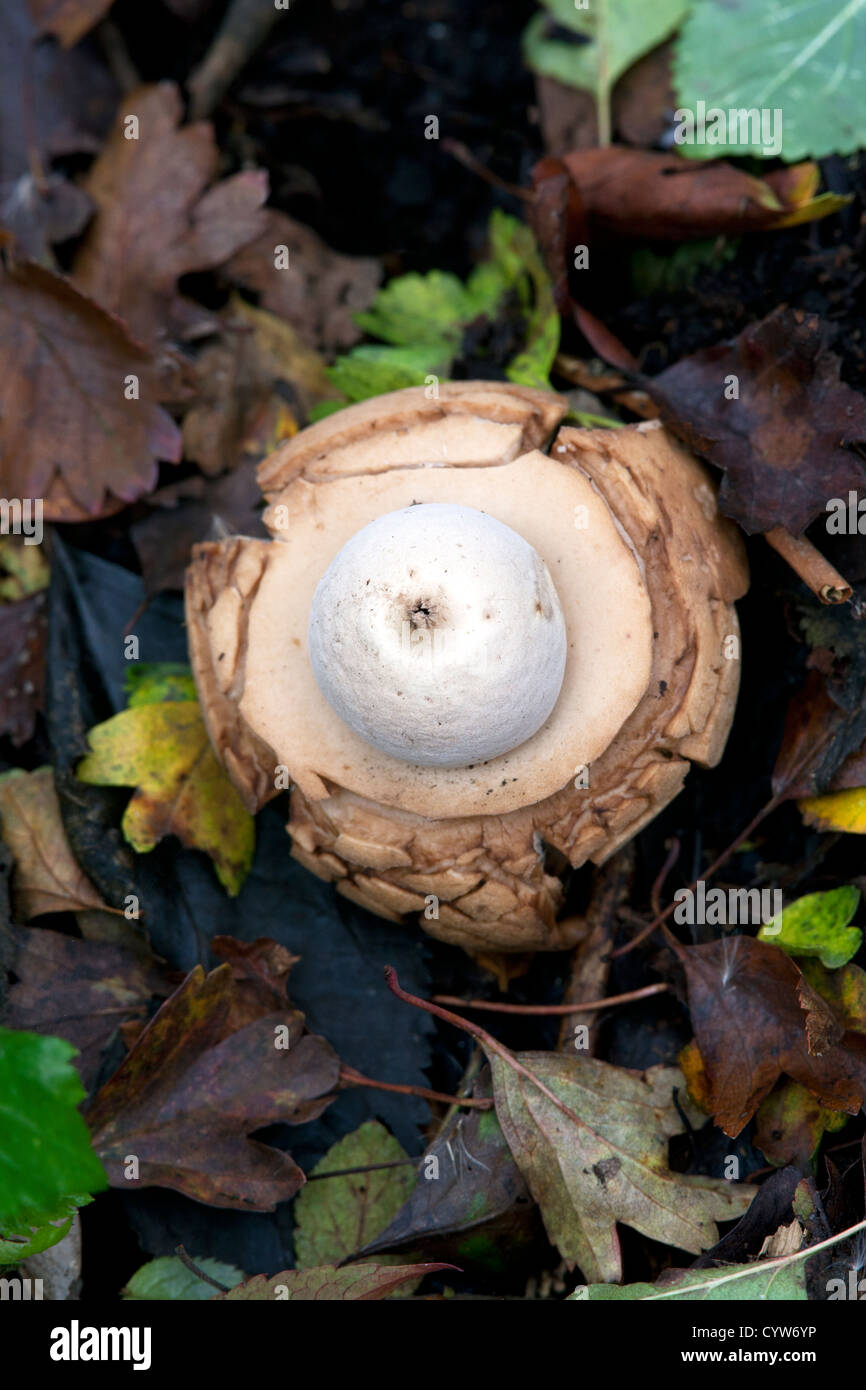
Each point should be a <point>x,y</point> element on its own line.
<point>646,574</point>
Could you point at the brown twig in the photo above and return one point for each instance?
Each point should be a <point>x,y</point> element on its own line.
<point>488,1042</point>
<point>656,890</point>
<point>364,1168</point>
<point>244,29</point>
<point>805,560</point>
<point>199,1273</point>
<point>350,1077</point>
<point>464,156</point>
<point>552,1009</point>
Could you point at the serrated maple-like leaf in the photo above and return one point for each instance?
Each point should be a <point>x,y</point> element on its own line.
<point>68,433</point>
<point>164,751</point>
<point>189,1093</point>
<point>158,219</point>
<point>327,1283</point>
<point>611,1166</point>
<point>782,442</point>
<point>47,876</point>
<point>78,990</point>
<point>755,1017</point>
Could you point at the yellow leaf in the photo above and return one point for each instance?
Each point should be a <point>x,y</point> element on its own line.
<point>845,810</point>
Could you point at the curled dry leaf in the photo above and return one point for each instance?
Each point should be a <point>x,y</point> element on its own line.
<point>47,877</point>
<point>642,193</point>
<point>783,441</point>
<point>78,990</point>
<point>190,1092</point>
<point>756,1017</point>
<point>70,433</point>
<point>157,217</point>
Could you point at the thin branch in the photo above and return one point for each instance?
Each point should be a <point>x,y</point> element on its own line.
<point>544,1009</point>
<point>199,1273</point>
<point>365,1168</point>
<point>805,560</point>
<point>350,1077</point>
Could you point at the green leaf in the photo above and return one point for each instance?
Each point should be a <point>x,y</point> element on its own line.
<point>785,1283</point>
<point>370,370</point>
<point>428,308</point>
<point>45,1153</point>
<point>149,682</point>
<point>167,1278</point>
<point>516,256</point>
<point>806,58</point>
<point>817,925</point>
<point>164,751</point>
<point>617,33</point>
<point>336,1217</point>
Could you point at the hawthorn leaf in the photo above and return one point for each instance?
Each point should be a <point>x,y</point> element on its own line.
<point>163,750</point>
<point>756,1017</point>
<point>818,925</point>
<point>323,291</point>
<point>612,1166</point>
<point>79,990</point>
<point>160,216</point>
<point>363,1282</point>
<point>81,426</point>
<point>334,1218</point>
<point>783,444</point>
<point>46,1156</point>
<point>189,1093</point>
<point>168,1279</point>
<point>803,58</point>
<point>47,877</point>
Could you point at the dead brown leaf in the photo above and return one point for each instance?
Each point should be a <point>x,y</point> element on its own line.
<point>751,1027</point>
<point>190,1092</point>
<point>319,291</point>
<point>783,441</point>
<point>78,990</point>
<point>23,626</point>
<point>161,216</point>
<point>47,877</point>
<point>69,433</point>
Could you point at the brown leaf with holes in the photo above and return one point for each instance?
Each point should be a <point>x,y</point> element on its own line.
<point>69,433</point>
<point>23,626</point>
<point>79,990</point>
<point>161,216</point>
<point>191,1091</point>
<point>319,291</point>
<point>784,444</point>
<point>754,1016</point>
<point>47,877</point>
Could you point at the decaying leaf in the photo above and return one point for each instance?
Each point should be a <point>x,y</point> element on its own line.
<point>327,1283</point>
<point>78,990</point>
<point>47,877</point>
<point>23,626</point>
<point>334,1218</point>
<point>756,1017</point>
<point>790,1124</point>
<point>80,426</point>
<point>612,1166</point>
<point>641,193</point>
<point>842,810</point>
<point>163,750</point>
<point>782,441</point>
<point>160,216</point>
<point>189,1093</point>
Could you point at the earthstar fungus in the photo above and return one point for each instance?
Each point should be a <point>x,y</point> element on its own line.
<point>558,625</point>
